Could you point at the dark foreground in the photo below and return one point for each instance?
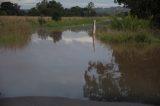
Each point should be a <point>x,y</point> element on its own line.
<point>55,101</point>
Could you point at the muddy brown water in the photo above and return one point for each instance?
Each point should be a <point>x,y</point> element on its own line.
<point>72,64</point>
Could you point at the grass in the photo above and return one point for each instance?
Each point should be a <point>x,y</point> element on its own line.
<point>14,32</point>
<point>129,30</point>
<point>73,22</point>
<point>129,23</point>
<point>141,36</point>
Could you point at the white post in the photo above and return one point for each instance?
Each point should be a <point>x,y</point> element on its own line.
<point>94,28</point>
<point>94,33</point>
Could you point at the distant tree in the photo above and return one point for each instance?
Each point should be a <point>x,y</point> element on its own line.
<point>90,5</point>
<point>33,12</point>
<point>22,12</point>
<point>10,8</point>
<point>42,7</point>
<point>56,16</point>
<point>51,8</point>
<point>91,11</point>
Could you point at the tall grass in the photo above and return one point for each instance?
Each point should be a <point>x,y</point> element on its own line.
<point>129,30</point>
<point>128,37</point>
<point>129,23</point>
<point>14,31</point>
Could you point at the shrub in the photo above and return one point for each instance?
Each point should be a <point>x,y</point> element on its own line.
<point>129,23</point>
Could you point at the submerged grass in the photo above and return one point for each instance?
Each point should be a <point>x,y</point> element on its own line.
<point>129,30</point>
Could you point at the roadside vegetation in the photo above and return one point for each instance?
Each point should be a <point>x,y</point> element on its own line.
<point>140,26</point>
<point>129,29</point>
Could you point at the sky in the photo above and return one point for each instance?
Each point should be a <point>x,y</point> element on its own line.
<point>26,4</point>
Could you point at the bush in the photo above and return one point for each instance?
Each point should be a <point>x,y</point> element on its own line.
<point>129,23</point>
<point>128,37</point>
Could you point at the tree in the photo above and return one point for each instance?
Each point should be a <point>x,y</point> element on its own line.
<point>56,16</point>
<point>51,8</point>
<point>90,5</point>
<point>91,11</point>
<point>143,8</point>
<point>10,8</point>
<point>33,12</point>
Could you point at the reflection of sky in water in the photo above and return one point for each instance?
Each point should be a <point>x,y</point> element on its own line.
<point>69,37</point>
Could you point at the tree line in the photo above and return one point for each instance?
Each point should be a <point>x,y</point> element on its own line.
<point>8,8</point>
<point>47,8</point>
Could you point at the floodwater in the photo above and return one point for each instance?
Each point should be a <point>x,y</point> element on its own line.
<point>74,64</point>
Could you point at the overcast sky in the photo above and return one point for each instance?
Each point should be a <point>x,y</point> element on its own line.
<point>26,4</point>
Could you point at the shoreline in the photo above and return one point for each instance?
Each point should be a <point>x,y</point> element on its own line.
<point>59,101</point>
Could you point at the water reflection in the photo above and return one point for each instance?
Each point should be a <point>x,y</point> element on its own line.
<point>15,41</point>
<point>55,35</point>
<point>135,79</point>
<point>102,81</point>
<point>71,69</point>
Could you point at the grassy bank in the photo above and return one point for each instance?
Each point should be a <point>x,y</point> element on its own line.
<point>129,30</point>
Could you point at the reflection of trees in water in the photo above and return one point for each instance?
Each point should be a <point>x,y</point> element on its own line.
<point>55,35</point>
<point>43,34</point>
<point>139,80</point>
<point>102,81</point>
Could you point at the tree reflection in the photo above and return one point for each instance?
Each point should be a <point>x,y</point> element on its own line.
<point>43,34</point>
<point>136,79</point>
<point>102,81</point>
<point>55,35</point>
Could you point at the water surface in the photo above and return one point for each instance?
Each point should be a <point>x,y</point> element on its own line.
<point>73,64</point>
